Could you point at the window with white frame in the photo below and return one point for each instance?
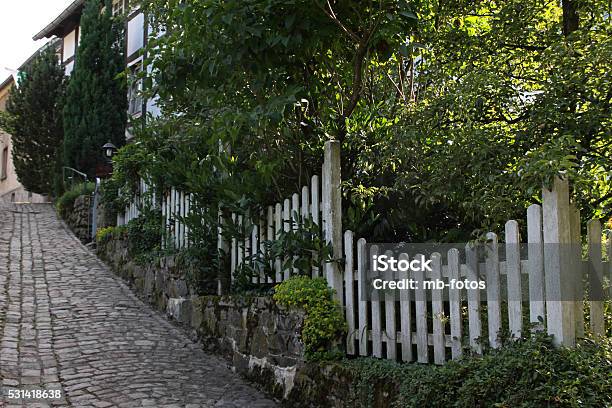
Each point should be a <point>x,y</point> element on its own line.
<point>135,90</point>
<point>119,7</point>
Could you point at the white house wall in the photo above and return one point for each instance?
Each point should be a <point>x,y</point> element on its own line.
<point>69,45</point>
<point>135,34</point>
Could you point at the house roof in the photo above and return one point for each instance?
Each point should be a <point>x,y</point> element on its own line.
<point>64,20</point>
<point>6,82</point>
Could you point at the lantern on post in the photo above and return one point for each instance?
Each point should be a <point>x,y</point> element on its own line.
<point>109,150</point>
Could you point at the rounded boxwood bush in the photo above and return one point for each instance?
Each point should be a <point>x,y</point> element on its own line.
<point>324,322</point>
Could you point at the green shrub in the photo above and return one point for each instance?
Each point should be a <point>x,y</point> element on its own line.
<point>65,203</point>
<point>301,248</point>
<point>104,234</point>
<point>324,322</point>
<point>144,235</point>
<point>107,233</point>
<point>525,373</point>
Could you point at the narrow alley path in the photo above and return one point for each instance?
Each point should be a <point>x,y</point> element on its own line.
<point>70,327</point>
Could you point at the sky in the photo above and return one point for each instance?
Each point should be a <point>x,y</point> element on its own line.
<point>20,20</point>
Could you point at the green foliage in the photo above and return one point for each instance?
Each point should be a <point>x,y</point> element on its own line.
<point>324,322</point>
<point>105,234</point>
<point>144,235</point>
<point>96,101</point>
<point>300,249</point>
<point>526,373</point>
<point>272,80</point>
<point>449,122</point>
<point>118,190</point>
<point>65,203</point>
<point>34,120</point>
<point>505,102</point>
<point>200,267</point>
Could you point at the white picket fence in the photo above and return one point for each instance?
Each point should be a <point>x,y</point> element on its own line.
<point>269,225</point>
<point>319,201</point>
<point>175,206</point>
<point>133,210</point>
<point>428,325</point>
<point>432,325</point>
<point>439,324</point>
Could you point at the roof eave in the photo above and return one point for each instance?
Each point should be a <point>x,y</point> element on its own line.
<point>6,82</point>
<point>51,28</point>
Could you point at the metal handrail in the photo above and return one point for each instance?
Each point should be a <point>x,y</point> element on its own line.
<point>74,171</point>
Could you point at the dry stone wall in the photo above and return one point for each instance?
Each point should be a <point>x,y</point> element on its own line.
<point>78,218</point>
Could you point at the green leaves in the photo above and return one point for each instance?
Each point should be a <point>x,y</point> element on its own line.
<point>525,373</point>
<point>65,202</point>
<point>324,323</point>
<point>299,249</point>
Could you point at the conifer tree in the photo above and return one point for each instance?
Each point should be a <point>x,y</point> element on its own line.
<point>96,98</point>
<point>34,120</point>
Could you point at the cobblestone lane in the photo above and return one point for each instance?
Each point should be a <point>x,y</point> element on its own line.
<point>68,325</point>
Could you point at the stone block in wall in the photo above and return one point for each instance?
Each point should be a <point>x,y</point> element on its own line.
<point>160,278</point>
<point>196,314</point>
<point>179,309</point>
<point>149,282</point>
<point>177,287</point>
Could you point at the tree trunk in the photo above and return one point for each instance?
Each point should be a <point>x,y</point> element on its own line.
<point>570,17</point>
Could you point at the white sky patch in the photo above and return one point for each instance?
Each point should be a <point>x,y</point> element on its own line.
<point>19,21</point>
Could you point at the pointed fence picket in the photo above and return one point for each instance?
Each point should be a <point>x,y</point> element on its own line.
<point>284,216</point>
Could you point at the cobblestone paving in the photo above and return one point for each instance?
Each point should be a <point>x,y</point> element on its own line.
<point>67,324</point>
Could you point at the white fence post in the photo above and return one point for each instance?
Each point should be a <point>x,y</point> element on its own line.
<point>454,296</point>
<point>513,279</point>
<point>560,307</point>
<point>493,290</point>
<point>535,261</point>
<point>286,228</point>
<point>332,213</point>
<point>363,304</point>
<point>405,317</point>
<point>437,310</point>
<point>349,279</point>
<point>595,268</point>
<point>473,299</point>
<point>577,269</point>
<point>223,247</point>
<point>278,222</point>
<point>375,313</point>
<point>390,333</point>
<point>420,297</point>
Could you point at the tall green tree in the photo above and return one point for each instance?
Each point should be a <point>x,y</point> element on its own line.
<point>34,120</point>
<point>96,99</point>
